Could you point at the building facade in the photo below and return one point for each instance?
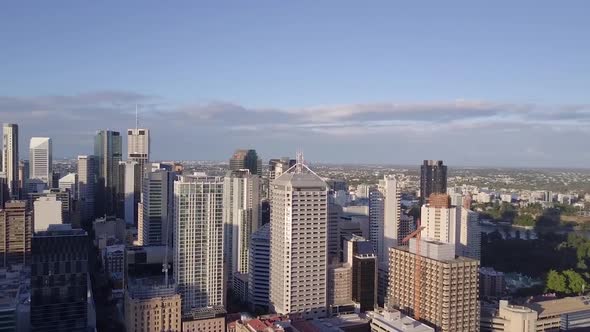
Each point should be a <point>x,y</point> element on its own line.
<point>10,161</point>
<point>138,149</point>
<point>59,280</point>
<point>156,208</point>
<point>16,230</point>
<point>433,179</point>
<point>152,306</point>
<point>246,159</point>
<point>259,270</point>
<point>108,149</point>
<point>41,160</point>
<point>298,239</point>
<point>198,241</point>
<point>87,186</point>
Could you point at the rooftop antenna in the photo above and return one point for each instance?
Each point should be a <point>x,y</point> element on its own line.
<point>300,161</point>
<point>136,118</point>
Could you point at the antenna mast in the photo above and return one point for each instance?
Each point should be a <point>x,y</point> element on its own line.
<point>136,118</point>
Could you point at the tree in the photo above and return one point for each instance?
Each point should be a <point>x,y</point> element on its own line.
<point>575,282</point>
<point>524,220</point>
<point>556,282</point>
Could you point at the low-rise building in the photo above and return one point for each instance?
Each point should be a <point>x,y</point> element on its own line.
<point>210,319</point>
<point>153,306</point>
<point>491,282</point>
<point>394,321</point>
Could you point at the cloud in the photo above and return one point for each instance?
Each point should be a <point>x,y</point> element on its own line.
<point>459,130</point>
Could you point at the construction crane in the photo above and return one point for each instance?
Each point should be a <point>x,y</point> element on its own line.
<point>417,267</point>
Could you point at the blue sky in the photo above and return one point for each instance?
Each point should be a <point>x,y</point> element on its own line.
<point>495,83</point>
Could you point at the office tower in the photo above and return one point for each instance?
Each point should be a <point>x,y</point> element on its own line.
<point>385,223</point>
<point>157,208</point>
<point>15,234</point>
<point>47,211</point>
<point>152,306</point>
<point>23,175</point>
<point>70,182</point>
<point>59,280</point>
<point>241,205</point>
<point>41,159</point>
<point>198,241</point>
<point>4,193</point>
<point>470,238</point>
<point>138,149</point>
<point>246,159</point>
<point>108,150</point>
<point>87,186</point>
<point>259,269</point>
<point>358,253</point>
<point>10,157</point>
<point>433,179</point>
<point>298,240</point>
<point>448,286</point>
<point>278,167</point>
<point>128,191</point>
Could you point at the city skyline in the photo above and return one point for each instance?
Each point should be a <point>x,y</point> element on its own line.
<point>391,83</point>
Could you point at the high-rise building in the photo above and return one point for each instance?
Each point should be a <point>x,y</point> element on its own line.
<point>298,239</point>
<point>433,179</point>
<point>70,182</point>
<point>334,218</point>
<point>152,306</point>
<point>156,208</point>
<point>56,194</point>
<point>358,253</point>
<point>128,191</point>
<point>138,149</point>
<point>10,157</point>
<point>470,238</point>
<point>442,221</point>
<point>386,226</point>
<point>339,285</point>
<point>87,186</point>
<point>47,211</point>
<point>198,241</point>
<point>246,159</point>
<point>41,160</point>
<point>259,270</point>
<point>23,176</point>
<point>448,287</point>
<point>241,204</point>
<point>108,149</point>
<point>16,230</point>
<point>59,280</point>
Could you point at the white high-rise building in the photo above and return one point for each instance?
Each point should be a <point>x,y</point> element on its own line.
<point>470,234</point>
<point>298,240</point>
<point>41,159</point>
<point>198,241</point>
<point>10,158</point>
<point>70,182</point>
<point>241,204</point>
<point>385,223</point>
<point>441,219</point>
<point>47,211</point>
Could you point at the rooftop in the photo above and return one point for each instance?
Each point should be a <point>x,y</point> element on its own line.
<point>560,306</point>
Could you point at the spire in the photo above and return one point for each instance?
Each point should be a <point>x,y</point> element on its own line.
<point>300,162</point>
<point>136,118</point>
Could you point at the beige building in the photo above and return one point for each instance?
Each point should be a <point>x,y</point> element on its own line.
<point>210,319</point>
<point>16,230</point>
<point>395,321</point>
<point>449,285</point>
<point>339,284</point>
<point>570,313</point>
<point>152,306</point>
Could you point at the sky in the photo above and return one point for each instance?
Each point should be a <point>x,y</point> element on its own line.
<point>496,83</point>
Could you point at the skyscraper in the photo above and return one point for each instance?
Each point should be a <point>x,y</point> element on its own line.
<point>442,221</point>
<point>59,280</point>
<point>198,241</point>
<point>10,157</point>
<point>358,253</point>
<point>298,240</point>
<point>41,159</point>
<point>258,271</point>
<point>24,172</point>
<point>16,230</point>
<point>241,204</point>
<point>108,150</point>
<point>157,208</point>
<point>138,149</point>
<point>246,159</point>
<point>279,166</point>
<point>433,179</point>
<point>87,186</point>
<point>128,191</point>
